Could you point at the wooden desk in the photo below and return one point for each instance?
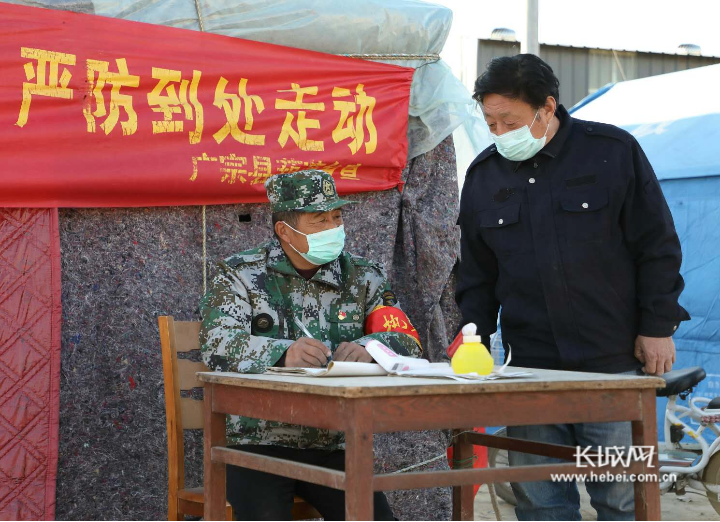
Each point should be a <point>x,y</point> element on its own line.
<point>367,405</point>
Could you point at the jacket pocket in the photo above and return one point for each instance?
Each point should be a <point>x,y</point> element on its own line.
<point>586,215</point>
<point>346,322</point>
<point>503,230</point>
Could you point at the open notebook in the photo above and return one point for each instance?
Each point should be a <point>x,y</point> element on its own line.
<point>390,363</point>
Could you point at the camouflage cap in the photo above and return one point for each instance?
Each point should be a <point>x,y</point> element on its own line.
<point>303,191</point>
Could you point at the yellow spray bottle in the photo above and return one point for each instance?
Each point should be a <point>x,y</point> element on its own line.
<point>472,356</point>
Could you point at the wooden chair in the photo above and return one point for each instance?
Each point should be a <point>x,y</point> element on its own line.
<point>185,413</point>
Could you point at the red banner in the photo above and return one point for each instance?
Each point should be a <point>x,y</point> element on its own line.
<point>99,112</point>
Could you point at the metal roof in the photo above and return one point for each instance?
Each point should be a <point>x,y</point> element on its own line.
<point>603,49</point>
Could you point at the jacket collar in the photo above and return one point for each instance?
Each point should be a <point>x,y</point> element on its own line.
<point>553,148</point>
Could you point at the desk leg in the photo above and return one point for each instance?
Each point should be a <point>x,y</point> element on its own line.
<point>644,433</point>
<point>463,498</point>
<point>214,472</point>
<point>359,460</point>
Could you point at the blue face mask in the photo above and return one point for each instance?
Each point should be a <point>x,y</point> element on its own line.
<point>323,246</point>
<point>520,144</point>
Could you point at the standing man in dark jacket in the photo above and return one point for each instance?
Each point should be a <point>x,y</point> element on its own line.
<point>565,226</point>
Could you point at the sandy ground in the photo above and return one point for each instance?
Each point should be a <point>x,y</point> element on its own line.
<point>692,506</point>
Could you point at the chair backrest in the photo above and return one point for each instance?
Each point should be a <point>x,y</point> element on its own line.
<point>186,413</point>
<point>182,413</point>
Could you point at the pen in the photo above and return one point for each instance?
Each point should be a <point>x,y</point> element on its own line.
<point>307,333</point>
<point>303,328</point>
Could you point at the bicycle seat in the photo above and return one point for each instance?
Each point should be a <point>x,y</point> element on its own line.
<point>678,381</point>
<point>714,404</point>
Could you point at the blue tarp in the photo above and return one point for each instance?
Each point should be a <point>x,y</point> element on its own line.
<point>676,119</point>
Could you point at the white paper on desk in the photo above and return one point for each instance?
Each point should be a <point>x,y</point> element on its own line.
<point>426,369</point>
<point>334,369</point>
<point>445,371</point>
<point>391,360</point>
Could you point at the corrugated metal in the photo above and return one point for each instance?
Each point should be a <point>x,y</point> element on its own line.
<point>569,66</point>
<point>582,70</point>
<point>489,49</point>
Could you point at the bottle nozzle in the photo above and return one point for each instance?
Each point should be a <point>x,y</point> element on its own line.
<point>469,332</point>
<point>469,329</point>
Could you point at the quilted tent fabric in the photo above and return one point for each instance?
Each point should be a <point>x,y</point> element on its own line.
<point>29,362</point>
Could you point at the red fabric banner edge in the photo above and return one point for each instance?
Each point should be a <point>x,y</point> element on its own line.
<point>137,202</point>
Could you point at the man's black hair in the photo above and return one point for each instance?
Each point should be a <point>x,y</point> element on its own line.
<point>523,76</point>
<point>291,217</point>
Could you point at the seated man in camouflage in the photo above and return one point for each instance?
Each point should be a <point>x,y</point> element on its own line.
<point>253,318</point>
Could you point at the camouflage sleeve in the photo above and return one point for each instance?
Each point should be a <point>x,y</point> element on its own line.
<point>225,339</point>
<point>402,343</point>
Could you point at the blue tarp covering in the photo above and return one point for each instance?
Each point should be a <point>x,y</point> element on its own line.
<point>676,119</point>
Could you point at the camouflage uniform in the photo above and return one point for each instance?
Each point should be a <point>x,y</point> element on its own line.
<point>248,311</point>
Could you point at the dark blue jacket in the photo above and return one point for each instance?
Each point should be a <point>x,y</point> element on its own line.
<point>578,246</point>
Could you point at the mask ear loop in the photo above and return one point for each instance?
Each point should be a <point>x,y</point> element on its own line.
<point>547,128</point>
<point>291,245</point>
<point>291,228</point>
<point>534,119</point>
<point>550,119</point>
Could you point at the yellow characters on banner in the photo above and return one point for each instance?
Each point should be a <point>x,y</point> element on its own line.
<point>175,100</point>
<point>49,81</point>
<point>98,75</point>
<point>168,101</point>
<point>232,104</point>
